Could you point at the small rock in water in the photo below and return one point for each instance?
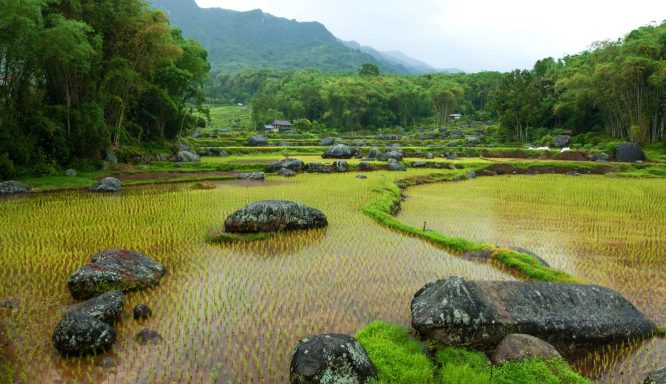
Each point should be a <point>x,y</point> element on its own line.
<point>80,334</point>
<point>148,335</point>
<point>252,176</point>
<point>361,176</point>
<point>142,312</point>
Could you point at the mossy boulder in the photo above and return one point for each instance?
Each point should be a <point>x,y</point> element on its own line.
<point>479,314</point>
<point>273,216</point>
<point>330,358</point>
<point>121,270</point>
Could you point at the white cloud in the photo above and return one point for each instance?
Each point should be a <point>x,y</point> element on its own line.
<point>469,34</point>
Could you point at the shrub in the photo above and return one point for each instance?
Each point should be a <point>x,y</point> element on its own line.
<point>6,167</point>
<point>398,357</point>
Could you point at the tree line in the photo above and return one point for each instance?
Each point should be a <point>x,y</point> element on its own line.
<point>78,77</point>
<point>616,89</point>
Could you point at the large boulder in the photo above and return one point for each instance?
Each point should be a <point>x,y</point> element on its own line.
<point>518,346</point>
<point>12,188</point>
<point>327,142</point>
<point>290,164</point>
<point>339,151</point>
<point>257,141</point>
<point>80,334</point>
<point>121,270</point>
<point>656,377</point>
<point>187,157</point>
<point>561,141</point>
<point>107,185</point>
<point>630,153</point>
<point>396,167</point>
<point>286,172</point>
<point>274,215</point>
<point>330,358</point>
<point>106,307</point>
<point>479,314</point>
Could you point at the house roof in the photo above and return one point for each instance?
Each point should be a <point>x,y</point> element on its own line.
<point>281,122</point>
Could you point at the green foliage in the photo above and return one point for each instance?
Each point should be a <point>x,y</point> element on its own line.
<point>398,357</point>
<point>537,371</point>
<point>77,78</point>
<point>368,70</point>
<point>462,366</point>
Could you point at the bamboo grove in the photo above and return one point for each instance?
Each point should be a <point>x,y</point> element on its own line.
<point>77,76</point>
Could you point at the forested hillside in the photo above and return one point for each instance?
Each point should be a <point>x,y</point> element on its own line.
<point>617,90</point>
<point>79,76</point>
<point>239,41</point>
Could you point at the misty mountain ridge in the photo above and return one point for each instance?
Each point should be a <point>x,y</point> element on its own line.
<point>237,40</point>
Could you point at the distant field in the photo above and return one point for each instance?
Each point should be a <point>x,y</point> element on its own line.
<point>230,116</point>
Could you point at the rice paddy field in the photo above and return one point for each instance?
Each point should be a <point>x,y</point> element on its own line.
<point>227,313</point>
<point>609,231</point>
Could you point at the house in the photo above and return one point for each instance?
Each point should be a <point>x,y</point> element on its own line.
<point>271,129</point>
<point>455,116</point>
<point>283,125</point>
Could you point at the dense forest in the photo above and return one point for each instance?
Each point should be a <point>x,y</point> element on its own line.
<point>80,76</point>
<point>616,89</point>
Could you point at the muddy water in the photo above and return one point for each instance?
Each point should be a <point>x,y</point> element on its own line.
<point>610,231</point>
<point>226,313</point>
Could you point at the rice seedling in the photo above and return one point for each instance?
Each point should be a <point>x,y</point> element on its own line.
<point>608,231</point>
<point>236,308</point>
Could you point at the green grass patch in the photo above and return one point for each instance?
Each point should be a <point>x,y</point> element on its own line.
<point>385,203</point>
<point>661,331</point>
<point>398,357</point>
<point>537,371</point>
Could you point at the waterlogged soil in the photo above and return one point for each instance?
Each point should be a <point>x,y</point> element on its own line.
<point>609,231</point>
<point>227,313</point>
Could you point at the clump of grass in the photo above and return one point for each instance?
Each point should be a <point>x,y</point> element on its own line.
<point>204,185</point>
<point>661,331</point>
<point>398,357</point>
<point>462,366</point>
<point>537,371</point>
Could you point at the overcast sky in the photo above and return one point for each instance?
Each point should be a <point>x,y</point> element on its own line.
<point>472,35</point>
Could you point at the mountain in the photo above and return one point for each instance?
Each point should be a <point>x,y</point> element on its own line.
<point>398,58</point>
<point>254,39</point>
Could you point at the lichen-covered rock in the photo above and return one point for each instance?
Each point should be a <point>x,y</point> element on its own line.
<point>472,141</point>
<point>396,167</point>
<point>290,164</point>
<point>419,164</point>
<point>12,188</point>
<point>286,172</point>
<point>187,157</point>
<point>80,334</point>
<point>257,141</point>
<point>518,346</point>
<point>110,270</point>
<point>471,175</point>
<point>630,153</point>
<point>318,168</point>
<point>70,172</point>
<point>106,307</point>
<point>274,215</point>
<point>364,166</point>
<point>599,156</point>
<point>142,312</point>
<point>374,153</point>
<point>330,358</point>
<point>395,155</point>
<point>340,166</point>
<point>479,314</point>
<point>252,176</point>
<point>656,377</point>
<point>327,142</point>
<point>107,185</point>
<point>338,151</point>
